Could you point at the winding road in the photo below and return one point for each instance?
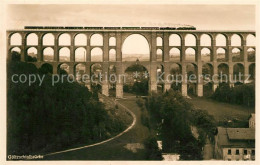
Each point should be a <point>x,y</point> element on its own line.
<point>125,146</point>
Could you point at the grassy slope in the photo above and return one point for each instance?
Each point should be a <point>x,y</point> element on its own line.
<point>223,111</point>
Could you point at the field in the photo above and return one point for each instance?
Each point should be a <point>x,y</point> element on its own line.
<point>224,113</point>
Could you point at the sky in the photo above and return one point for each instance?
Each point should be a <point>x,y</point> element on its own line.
<point>203,17</point>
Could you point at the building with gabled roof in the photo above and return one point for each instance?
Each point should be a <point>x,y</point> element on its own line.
<point>235,143</point>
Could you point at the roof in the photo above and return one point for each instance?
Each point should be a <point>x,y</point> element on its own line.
<point>241,133</point>
<point>236,137</point>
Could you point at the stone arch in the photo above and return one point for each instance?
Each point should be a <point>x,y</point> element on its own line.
<point>175,54</point>
<point>221,40</point>
<point>175,72</point>
<point>221,55</point>
<point>251,55</point>
<point>190,40</point>
<point>96,55</point>
<point>64,39</point>
<point>95,73</point>
<point>80,54</point>
<point>46,68</point>
<point>135,47</point>
<point>15,54</point>
<point>16,39</point>
<point>112,41</point>
<point>48,54</point>
<point>192,71</point>
<point>112,55</point>
<point>31,53</point>
<point>15,49</point>
<point>236,55</point>
<point>238,72</point>
<point>48,39</point>
<point>191,67</point>
<point>96,40</point>
<point>236,40</point>
<point>79,71</point>
<point>205,54</point>
<point>130,64</point>
<point>63,68</point>
<point>174,40</point>
<point>32,39</point>
<point>159,41</point>
<point>207,72</point>
<point>64,54</point>
<point>207,68</point>
<point>159,55</point>
<point>190,54</point>
<point>223,72</point>
<point>205,40</point>
<point>175,69</point>
<point>250,40</point>
<point>80,39</point>
<point>96,68</point>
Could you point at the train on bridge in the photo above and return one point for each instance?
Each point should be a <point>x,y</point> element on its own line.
<point>188,27</point>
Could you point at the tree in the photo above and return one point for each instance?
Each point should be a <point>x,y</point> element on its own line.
<point>15,56</point>
<point>49,118</point>
<point>152,150</point>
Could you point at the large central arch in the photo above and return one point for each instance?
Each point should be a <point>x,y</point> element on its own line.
<point>135,47</point>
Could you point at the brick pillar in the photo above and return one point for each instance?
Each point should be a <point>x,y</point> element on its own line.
<point>198,51</point>
<point>54,68</point>
<point>184,82</point>
<point>23,48</point>
<point>166,47</point>
<point>200,80</point>
<point>119,90</point>
<point>39,48</point>
<point>87,78</point>
<point>118,47</point>
<point>153,78</point>
<point>229,50</point>
<point>153,47</point>
<point>88,48</point>
<point>246,71</point>
<point>244,50</point>
<point>120,81</point>
<point>213,56</point>
<point>230,72</point>
<point>182,49</point>
<point>105,83</point>
<point>56,47</point>
<point>215,76</point>
<point>72,51</point>
<point>71,68</point>
<point>105,47</point>
<point>8,51</point>
<point>167,81</point>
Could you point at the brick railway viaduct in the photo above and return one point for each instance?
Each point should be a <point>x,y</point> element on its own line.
<point>151,35</point>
